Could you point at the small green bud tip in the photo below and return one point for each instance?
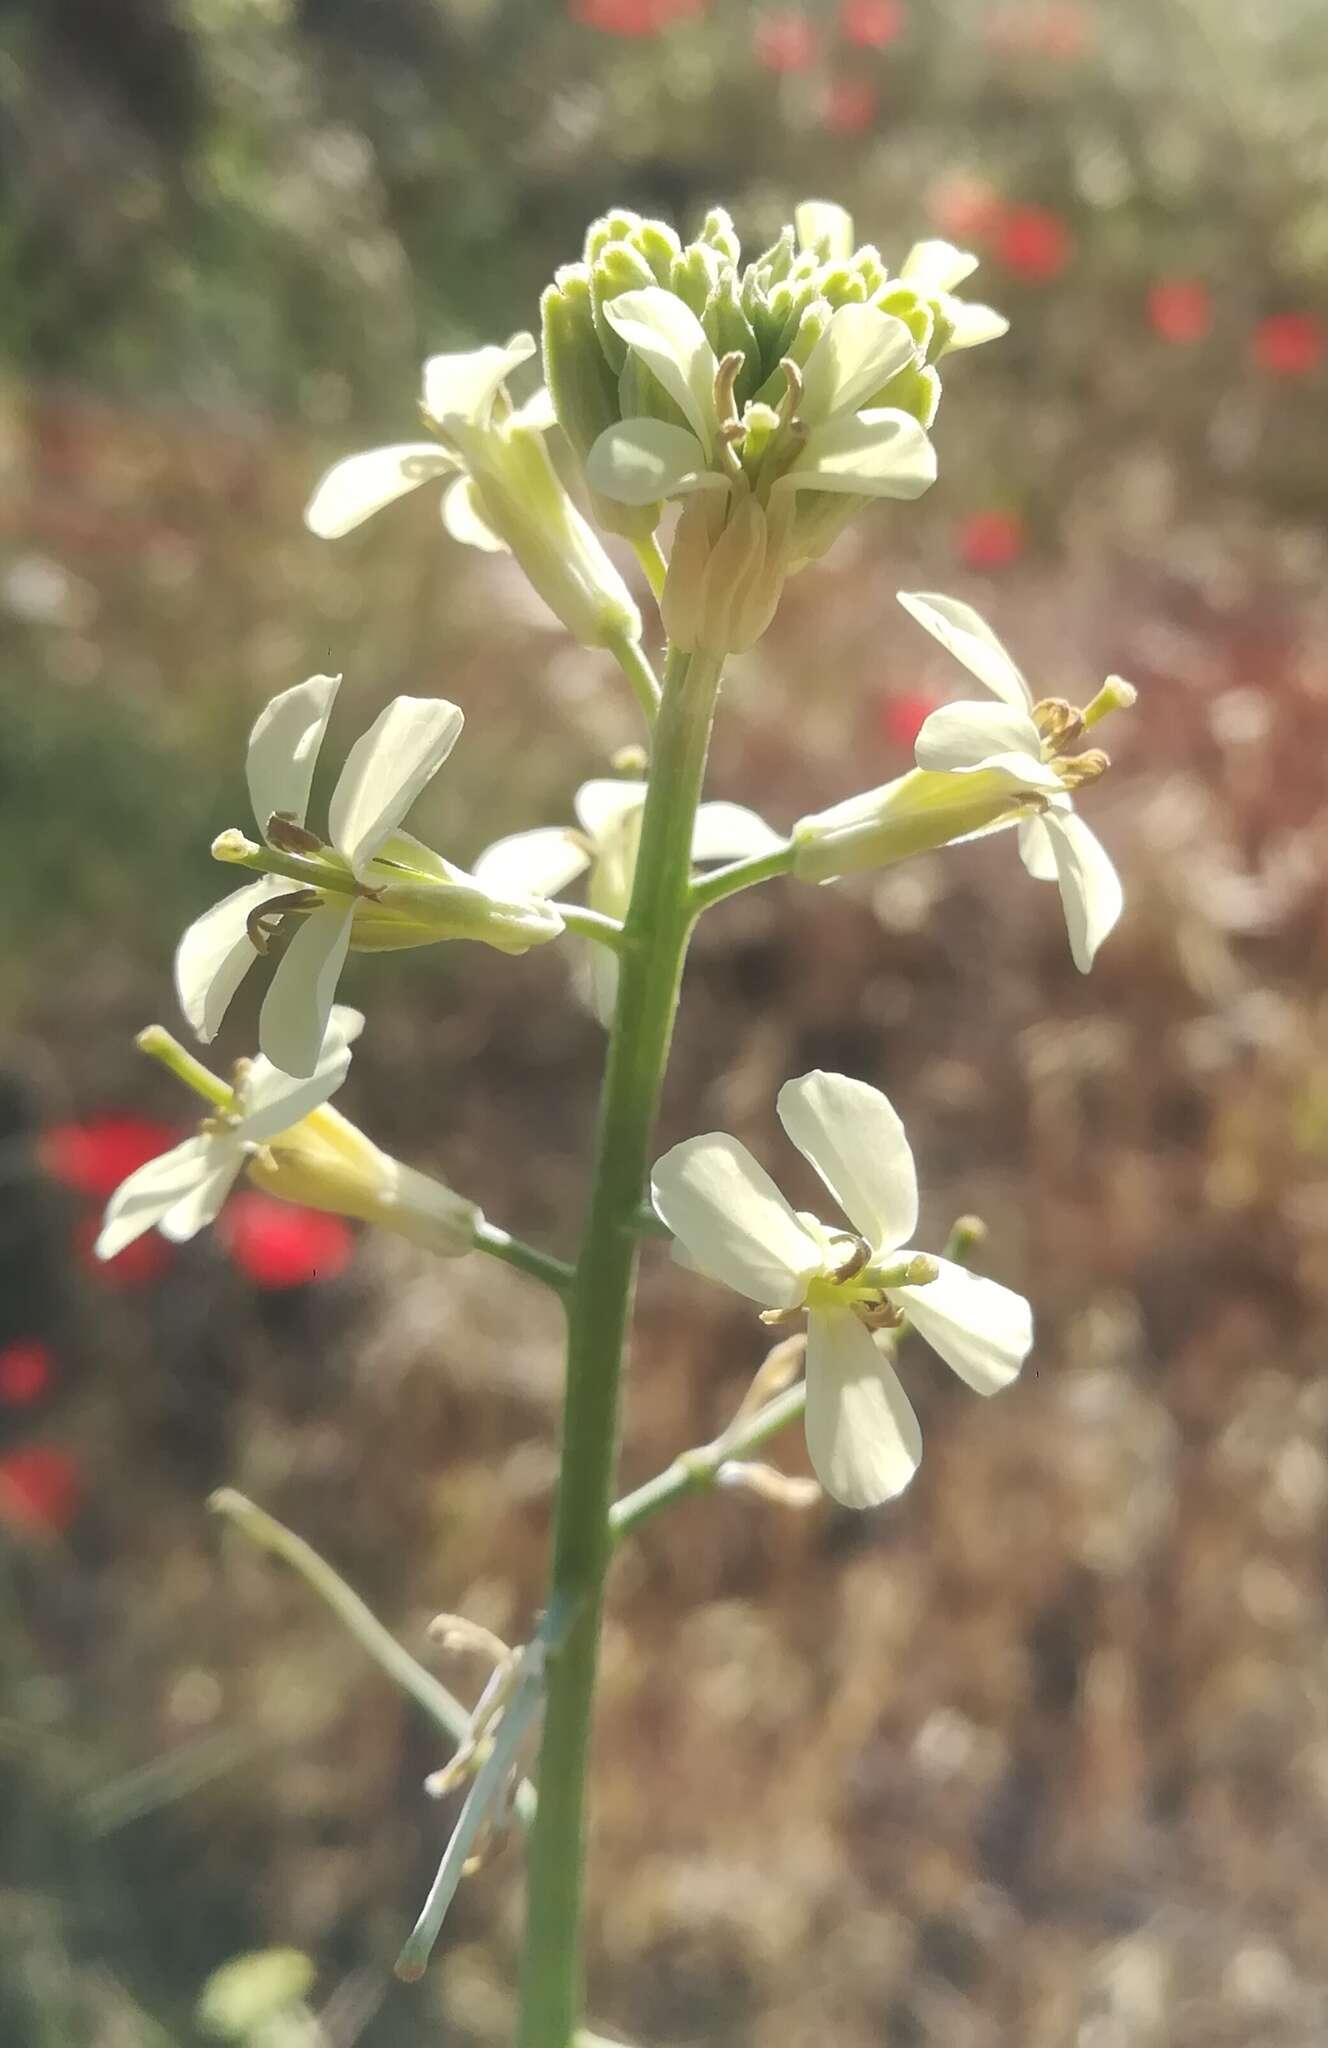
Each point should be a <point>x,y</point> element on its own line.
<point>1115,695</point>
<point>232,845</point>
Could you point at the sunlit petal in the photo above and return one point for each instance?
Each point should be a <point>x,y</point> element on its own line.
<point>216,953</point>
<point>862,1435</point>
<point>538,863</point>
<point>465,520</point>
<point>1090,887</point>
<point>283,749</point>
<point>142,1200</point>
<point>983,1331</point>
<point>292,1023</point>
<point>861,349</point>
<point>385,771</point>
<point>732,1220</point>
<point>880,454</point>
<point>272,1100</point>
<point>1035,850</point>
<point>201,1205</point>
<point>852,1135</point>
<point>463,386</point>
<point>667,335</point>
<point>641,460</point>
<point>602,804</point>
<point>935,267</point>
<point>970,639</point>
<point>725,831</point>
<point>353,490</point>
<point>968,735</point>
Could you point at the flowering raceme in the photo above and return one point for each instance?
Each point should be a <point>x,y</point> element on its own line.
<point>732,1223</point>
<point>283,1134</point>
<point>374,886</point>
<point>981,767</point>
<point>501,490</point>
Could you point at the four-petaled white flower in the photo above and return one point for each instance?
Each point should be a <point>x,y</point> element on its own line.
<point>184,1189</point>
<point>501,490</point>
<point>1027,742</point>
<point>605,841</point>
<point>731,1223</point>
<point>373,879</point>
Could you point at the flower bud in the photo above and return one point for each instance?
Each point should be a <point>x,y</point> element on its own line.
<point>725,573</point>
<point>584,390</point>
<point>324,1162</point>
<point>914,814</point>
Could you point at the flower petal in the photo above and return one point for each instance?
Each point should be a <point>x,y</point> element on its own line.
<point>385,771</point>
<point>466,522</point>
<point>862,1435</point>
<point>353,490</point>
<point>852,1135</point>
<point>983,1331</point>
<point>602,805</point>
<point>283,748</point>
<point>200,1206</point>
<point>970,639</point>
<point>538,863</point>
<point>968,735</point>
<point>144,1198</point>
<point>538,411</point>
<point>272,1100</point>
<point>292,1023</point>
<point>861,349</point>
<point>217,952</point>
<point>1090,887</point>
<point>971,324</point>
<point>463,386</point>
<point>725,831</point>
<point>881,454</point>
<point>641,460</point>
<point>732,1221</point>
<point>936,267</point>
<point>1035,850</point>
<point>667,335</point>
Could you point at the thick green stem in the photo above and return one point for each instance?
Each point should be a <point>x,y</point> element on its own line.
<point>655,943</point>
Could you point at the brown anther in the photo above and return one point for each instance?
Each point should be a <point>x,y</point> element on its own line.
<point>726,378</point>
<point>882,1315</point>
<point>264,920</point>
<point>732,432</point>
<point>288,835</point>
<point>1085,767</point>
<point>794,386</point>
<point>1059,722</point>
<point>858,1257</point>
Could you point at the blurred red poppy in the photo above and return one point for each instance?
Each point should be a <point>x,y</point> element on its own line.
<point>785,42</point>
<point>873,24</point>
<point>1180,309</point>
<point>94,1157</point>
<point>966,209</point>
<point>632,18</point>
<point>1289,344</point>
<point>1034,243</point>
<point>276,1244</point>
<point>991,540</point>
<point>40,1489</point>
<point>27,1369</point>
<point>850,106</point>
<point>901,718</point>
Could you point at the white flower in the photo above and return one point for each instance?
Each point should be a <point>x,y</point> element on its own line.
<point>184,1189</point>
<point>391,888</point>
<point>732,1223</point>
<point>605,841</point>
<point>289,1140</point>
<point>501,490</point>
<point>933,269</point>
<point>1019,738</point>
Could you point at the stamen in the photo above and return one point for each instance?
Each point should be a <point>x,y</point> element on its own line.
<point>726,377</point>
<point>264,920</point>
<point>288,835</point>
<point>1085,767</point>
<point>859,1256</point>
<point>1059,722</point>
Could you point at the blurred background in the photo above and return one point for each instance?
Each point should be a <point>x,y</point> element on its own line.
<point>1037,1755</point>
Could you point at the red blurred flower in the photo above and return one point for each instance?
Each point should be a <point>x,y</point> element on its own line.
<point>632,17</point>
<point>40,1490</point>
<point>276,1244</point>
<point>872,23</point>
<point>901,718</point>
<point>965,209</point>
<point>785,42</point>
<point>26,1371</point>
<point>138,1265</point>
<point>1034,243</point>
<point>850,106</point>
<point>1289,344</point>
<point>991,540</point>
<point>1060,29</point>
<point>1180,309</point>
<point>94,1157</point>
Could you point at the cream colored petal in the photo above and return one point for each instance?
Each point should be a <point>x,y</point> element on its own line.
<point>353,490</point>
<point>144,1198</point>
<point>667,335</point>
<point>385,771</point>
<point>970,639</point>
<point>936,267</point>
<point>852,1135</point>
<point>1035,850</point>
<point>878,454</point>
<point>194,1211</point>
<point>283,749</point>
<point>862,1435</point>
<point>538,863</point>
<point>463,386</point>
<point>971,324</point>
<point>216,953</point>
<point>639,461</point>
<point>273,1100</point>
<point>983,1331</point>
<point>1090,887</point>
<point>292,1023</point>
<point>727,831</point>
<point>959,736</point>
<point>732,1220</point>
<point>602,805</point>
<point>861,349</point>
<point>465,521</point>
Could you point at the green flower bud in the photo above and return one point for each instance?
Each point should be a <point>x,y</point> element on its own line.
<point>824,229</point>
<point>842,286</point>
<point>696,272</point>
<point>718,231</point>
<point>618,226</point>
<point>726,573</point>
<point>617,269</point>
<point>584,390</point>
<point>915,390</point>
<point>656,241</point>
<point>728,330</point>
<point>904,303</point>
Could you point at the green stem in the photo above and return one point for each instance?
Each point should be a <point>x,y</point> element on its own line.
<point>500,1244</point>
<point>696,1471</point>
<point>656,932</point>
<point>650,555</point>
<point>156,1041</point>
<point>635,665</point>
<point>741,874</point>
<point>592,924</point>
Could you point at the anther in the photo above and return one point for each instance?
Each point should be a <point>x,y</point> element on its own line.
<point>1085,767</point>
<point>264,919</point>
<point>288,835</point>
